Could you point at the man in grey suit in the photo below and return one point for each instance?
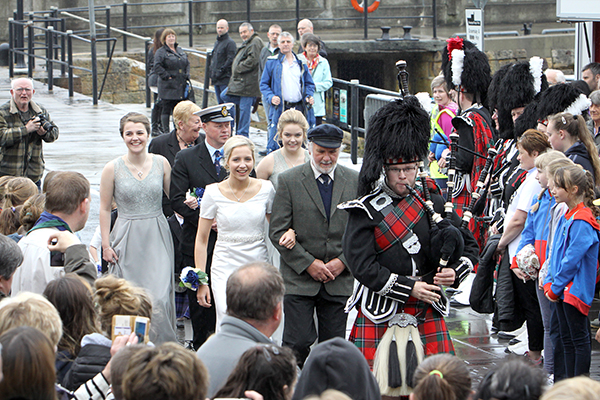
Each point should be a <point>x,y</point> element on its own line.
<point>314,271</point>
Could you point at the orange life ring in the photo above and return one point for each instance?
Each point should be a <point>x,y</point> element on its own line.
<point>360,9</point>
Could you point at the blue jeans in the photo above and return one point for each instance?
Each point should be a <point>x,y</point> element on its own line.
<point>245,106</point>
<point>218,90</point>
<point>273,144</point>
<point>267,107</point>
<point>573,330</point>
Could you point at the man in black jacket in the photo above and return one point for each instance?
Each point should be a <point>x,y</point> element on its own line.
<point>223,53</point>
<point>270,49</point>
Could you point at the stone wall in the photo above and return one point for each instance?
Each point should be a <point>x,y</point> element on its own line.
<point>449,13</point>
<point>126,80</point>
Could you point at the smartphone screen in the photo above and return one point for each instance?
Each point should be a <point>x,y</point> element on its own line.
<point>57,259</point>
<point>141,327</point>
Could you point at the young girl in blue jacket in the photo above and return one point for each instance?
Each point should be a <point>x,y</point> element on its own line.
<point>571,277</point>
<point>535,233</point>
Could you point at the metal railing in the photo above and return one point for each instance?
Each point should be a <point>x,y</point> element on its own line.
<point>58,46</point>
<point>125,13</point>
<point>344,102</point>
<point>58,50</point>
<point>58,41</point>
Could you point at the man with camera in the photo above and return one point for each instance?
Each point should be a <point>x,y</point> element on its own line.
<point>23,126</point>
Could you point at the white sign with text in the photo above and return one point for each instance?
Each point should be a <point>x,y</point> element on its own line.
<point>474,19</point>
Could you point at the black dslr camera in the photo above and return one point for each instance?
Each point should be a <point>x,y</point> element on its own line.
<point>44,123</point>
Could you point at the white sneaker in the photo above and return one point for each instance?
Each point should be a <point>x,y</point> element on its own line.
<point>507,335</point>
<point>521,347</point>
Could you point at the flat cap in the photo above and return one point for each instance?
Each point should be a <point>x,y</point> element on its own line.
<point>326,135</point>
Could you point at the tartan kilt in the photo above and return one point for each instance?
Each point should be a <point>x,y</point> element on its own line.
<point>366,334</point>
<point>181,305</point>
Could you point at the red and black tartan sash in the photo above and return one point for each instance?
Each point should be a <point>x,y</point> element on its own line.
<point>398,223</point>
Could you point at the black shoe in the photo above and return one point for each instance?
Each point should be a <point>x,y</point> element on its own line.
<point>505,336</point>
<point>263,153</point>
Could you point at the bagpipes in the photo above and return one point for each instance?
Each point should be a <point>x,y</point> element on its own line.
<point>480,188</point>
<point>451,235</point>
<point>402,77</point>
<point>442,231</point>
<point>400,350</point>
<point>449,207</point>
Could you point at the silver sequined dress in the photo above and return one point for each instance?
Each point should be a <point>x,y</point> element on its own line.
<point>144,245</point>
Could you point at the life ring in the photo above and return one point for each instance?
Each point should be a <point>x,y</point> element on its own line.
<point>360,9</point>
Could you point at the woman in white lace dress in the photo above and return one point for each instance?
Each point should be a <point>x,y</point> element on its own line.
<point>237,208</point>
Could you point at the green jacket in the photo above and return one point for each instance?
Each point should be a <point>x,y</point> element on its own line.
<point>244,70</point>
<point>21,152</point>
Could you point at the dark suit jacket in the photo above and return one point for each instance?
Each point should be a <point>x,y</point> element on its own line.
<point>193,169</point>
<point>298,205</point>
<point>168,147</point>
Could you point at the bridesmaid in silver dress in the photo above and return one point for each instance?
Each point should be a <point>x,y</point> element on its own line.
<point>140,247</point>
<point>291,130</point>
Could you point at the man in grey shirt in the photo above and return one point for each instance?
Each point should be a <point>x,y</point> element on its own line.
<point>254,311</point>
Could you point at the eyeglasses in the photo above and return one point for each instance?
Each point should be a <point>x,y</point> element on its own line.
<point>21,89</point>
<point>404,170</point>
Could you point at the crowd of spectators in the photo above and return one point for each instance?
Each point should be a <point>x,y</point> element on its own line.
<point>62,333</point>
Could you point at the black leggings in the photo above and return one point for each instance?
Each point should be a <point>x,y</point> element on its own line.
<point>526,300</point>
<point>167,110</point>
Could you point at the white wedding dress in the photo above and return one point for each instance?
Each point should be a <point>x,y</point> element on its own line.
<point>241,236</point>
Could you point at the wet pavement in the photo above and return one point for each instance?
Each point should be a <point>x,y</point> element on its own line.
<point>482,350</point>
<point>89,138</point>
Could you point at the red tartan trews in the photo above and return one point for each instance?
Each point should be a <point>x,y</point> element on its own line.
<point>366,334</point>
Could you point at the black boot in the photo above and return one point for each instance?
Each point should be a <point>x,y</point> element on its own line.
<point>156,120</point>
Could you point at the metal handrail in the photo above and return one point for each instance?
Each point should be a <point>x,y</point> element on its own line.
<point>125,32</point>
<point>50,34</point>
<point>133,35</point>
<point>191,24</point>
